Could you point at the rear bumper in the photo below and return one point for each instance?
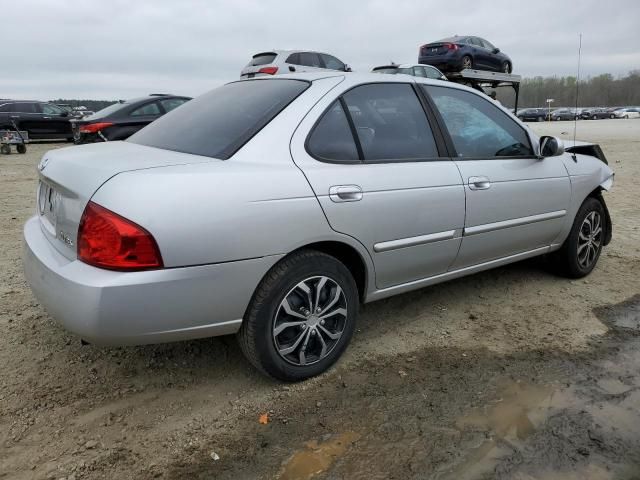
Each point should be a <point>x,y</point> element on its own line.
<point>128,308</point>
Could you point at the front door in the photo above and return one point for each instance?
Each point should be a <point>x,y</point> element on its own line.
<point>54,120</point>
<point>382,177</point>
<point>515,201</point>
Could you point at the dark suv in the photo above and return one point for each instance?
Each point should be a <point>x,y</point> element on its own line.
<point>121,120</point>
<point>41,119</point>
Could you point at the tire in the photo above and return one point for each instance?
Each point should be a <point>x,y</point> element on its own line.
<point>612,116</point>
<point>467,62</point>
<point>540,119</point>
<point>277,353</point>
<point>5,149</point>
<point>21,148</point>
<point>568,259</point>
<point>506,67</point>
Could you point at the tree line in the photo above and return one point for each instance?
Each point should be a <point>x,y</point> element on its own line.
<point>600,91</point>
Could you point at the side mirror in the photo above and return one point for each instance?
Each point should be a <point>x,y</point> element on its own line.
<point>551,147</point>
<point>64,114</point>
<point>347,68</point>
<point>495,50</point>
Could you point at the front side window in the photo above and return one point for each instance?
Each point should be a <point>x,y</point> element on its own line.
<point>218,123</point>
<point>332,62</point>
<point>148,109</point>
<point>331,138</point>
<point>49,109</point>
<point>433,73</point>
<point>477,127</point>
<point>390,122</point>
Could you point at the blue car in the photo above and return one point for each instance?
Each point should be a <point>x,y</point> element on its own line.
<point>461,52</point>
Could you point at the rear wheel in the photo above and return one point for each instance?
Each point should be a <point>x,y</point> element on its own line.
<point>467,62</point>
<point>5,149</point>
<point>612,116</point>
<point>301,317</point>
<point>21,148</point>
<point>581,250</point>
<point>540,119</point>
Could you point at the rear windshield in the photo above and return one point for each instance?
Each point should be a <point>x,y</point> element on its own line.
<point>106,111</point>
<point>262,59</point>
<point>385,70</point>
<point>218,123</point>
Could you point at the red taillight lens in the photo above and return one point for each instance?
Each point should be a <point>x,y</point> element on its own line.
<point>268,70</point>
<point>107,240</point>
<point>94,127</point>
<point>452,46</point>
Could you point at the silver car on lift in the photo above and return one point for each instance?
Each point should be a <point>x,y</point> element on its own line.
<point>273,207</point>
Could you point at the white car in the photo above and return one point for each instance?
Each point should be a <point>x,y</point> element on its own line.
<point>278,62</point>
<point>416,70</point>
<point>632,112</point>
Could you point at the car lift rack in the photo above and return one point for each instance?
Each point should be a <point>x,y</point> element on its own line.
<point>480,79</point>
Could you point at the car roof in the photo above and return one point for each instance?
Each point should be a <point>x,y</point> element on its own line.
<point>405,65</point>
<point>288,52</point>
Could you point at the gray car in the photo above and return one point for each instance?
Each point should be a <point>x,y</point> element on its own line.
<point>415,70</point>
<point>279,62</point>
<point>273,207</point>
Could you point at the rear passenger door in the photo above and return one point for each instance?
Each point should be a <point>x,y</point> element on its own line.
<point>382,176</point>
<point>516,202</point>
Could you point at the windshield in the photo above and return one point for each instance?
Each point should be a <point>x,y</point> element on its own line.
<point>262,59</point>
<point>218,123</point>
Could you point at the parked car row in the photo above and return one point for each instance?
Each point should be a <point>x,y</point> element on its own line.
<point>543,114</point>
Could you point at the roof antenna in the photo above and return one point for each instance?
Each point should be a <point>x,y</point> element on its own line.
<point>575,117</point>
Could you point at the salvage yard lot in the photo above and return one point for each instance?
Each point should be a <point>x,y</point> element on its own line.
<point>511,373</point>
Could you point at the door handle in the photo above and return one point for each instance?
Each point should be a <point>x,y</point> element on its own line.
<point>345,193</point>
<point>479,183</point>
<point>15,116</point>
<point>47,118</point>
<point>292,69</point>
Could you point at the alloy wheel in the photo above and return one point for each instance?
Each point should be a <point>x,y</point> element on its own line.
<point>466,63</point>
<point>589,239</point>
<point>310,321</point>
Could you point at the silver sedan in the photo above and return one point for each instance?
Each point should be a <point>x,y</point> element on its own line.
<point>272,207</point>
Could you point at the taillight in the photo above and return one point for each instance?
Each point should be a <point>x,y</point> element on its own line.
<point>94,127</point>
<point>452,46</point>
<point>268,70</point>
<point>107,240</point>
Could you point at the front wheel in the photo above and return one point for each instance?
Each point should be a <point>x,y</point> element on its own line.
<point>301,317</point>
<point>506,67</point>
<point>581,250</point>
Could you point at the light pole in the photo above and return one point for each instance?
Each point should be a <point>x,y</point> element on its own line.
<point>549,102</point>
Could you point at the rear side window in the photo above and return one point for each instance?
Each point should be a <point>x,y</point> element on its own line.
<point>218,123</point>
<point>7,107</point>
<point>310,59</point>
<point>432,73</point>
<point>25,107</point>
<point>293,59</point>
<point>148,109</point>
<point>170,103</point>
<point>390,122</point>
<point>262,59</point>
<point>331,138</point>
<point>477,127</point>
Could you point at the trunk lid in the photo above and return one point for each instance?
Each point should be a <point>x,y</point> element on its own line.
<point>69,177</point>
<point>433,49</point>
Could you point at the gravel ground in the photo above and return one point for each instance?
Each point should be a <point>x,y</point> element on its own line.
<point>513,373</point>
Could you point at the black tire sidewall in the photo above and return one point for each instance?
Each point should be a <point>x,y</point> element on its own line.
<point>263,316</point>
<point>574,269</point>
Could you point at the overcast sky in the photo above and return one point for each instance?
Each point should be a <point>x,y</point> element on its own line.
<point>124,48</point>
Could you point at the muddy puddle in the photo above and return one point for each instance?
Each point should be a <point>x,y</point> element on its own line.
<point>451,415</point>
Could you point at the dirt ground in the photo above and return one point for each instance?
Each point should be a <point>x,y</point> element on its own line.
<point>510,374</point>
